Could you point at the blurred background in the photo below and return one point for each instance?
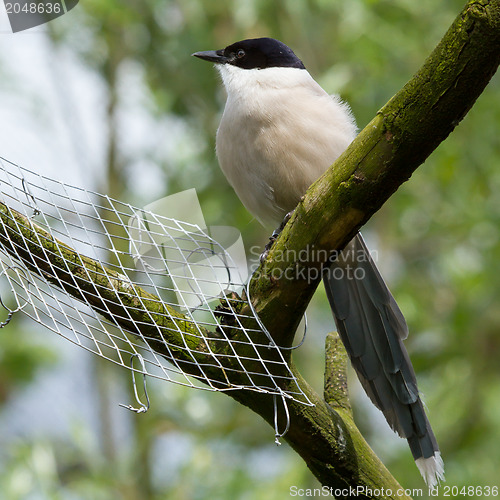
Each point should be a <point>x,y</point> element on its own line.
<point>108,98</point>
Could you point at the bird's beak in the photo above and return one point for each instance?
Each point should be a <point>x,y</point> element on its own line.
<point>215,56</point>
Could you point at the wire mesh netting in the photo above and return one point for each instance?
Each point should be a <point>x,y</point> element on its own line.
<point>122,281</point>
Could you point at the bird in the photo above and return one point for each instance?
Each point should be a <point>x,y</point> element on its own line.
<point>279,132</point>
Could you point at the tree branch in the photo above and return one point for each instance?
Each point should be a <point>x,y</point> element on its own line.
<point>336,358</point>
<point>174,336</point>
<point>384,155</point>
<point>128,306</point>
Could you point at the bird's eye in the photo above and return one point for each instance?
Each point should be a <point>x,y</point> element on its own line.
<point>240,54</point>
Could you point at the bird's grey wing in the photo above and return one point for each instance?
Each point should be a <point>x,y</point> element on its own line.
<point>372,329</point>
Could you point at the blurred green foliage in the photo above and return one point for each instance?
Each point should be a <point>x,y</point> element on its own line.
<point>437,239</point>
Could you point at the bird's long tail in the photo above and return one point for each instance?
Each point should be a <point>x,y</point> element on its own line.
<point>372,329</point>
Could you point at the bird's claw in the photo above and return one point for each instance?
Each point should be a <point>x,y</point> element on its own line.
<point>274,237</point>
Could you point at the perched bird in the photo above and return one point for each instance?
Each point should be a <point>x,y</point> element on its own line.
<point>279,132</point>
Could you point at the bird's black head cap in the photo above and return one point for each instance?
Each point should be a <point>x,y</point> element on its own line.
<point>255,53</point>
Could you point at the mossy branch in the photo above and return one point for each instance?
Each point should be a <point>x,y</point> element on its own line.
<point>128,306</point>
<point>384,155</point>
<point>156,324</point>
<point>335,391</point>
<point>163,328</point>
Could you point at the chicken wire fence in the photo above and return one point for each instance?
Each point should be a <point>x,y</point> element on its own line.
<point>126,283</point>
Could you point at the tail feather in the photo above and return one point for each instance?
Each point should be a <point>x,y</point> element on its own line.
<point>432,469</point>
<point>372,329</point>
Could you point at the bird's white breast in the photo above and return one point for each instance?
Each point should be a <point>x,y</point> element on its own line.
<point>279,132</point>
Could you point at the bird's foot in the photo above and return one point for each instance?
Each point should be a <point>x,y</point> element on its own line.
<point>274,236</point>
